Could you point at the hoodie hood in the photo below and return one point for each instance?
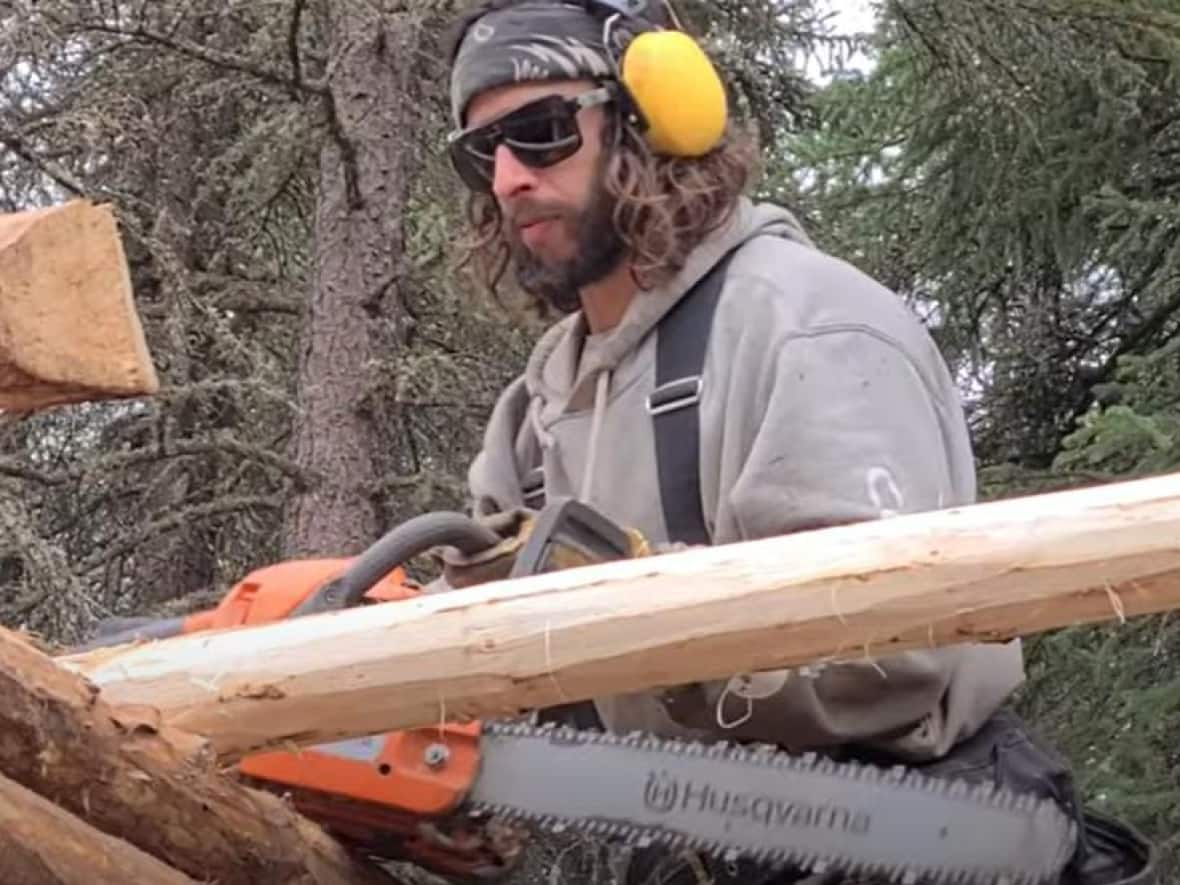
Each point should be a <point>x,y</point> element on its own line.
<point>559,376</point>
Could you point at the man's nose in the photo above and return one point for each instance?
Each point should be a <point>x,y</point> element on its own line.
<point>511,177</point>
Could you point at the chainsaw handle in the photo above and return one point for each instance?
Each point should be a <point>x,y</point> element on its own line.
<point>397,546</point>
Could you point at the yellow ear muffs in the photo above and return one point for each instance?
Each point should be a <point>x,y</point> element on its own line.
<point>678,92</point>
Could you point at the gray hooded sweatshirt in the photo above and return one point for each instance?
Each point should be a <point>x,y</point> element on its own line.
<point>824,402</point>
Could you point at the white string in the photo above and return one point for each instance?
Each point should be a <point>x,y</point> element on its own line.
<point>600,392</point>
<point>721,721</point>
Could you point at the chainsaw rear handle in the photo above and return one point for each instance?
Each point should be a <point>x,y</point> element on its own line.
<point>399,545</point>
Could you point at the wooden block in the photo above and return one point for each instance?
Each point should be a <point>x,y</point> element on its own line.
<point>69,331</point>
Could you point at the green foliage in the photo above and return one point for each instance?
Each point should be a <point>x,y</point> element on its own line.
<point>1109,699</point>
<point>1134,427</point>
<point>1122,441</point>
<point>1010,168</point>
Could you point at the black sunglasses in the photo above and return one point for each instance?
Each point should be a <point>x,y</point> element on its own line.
<point>539,134</point>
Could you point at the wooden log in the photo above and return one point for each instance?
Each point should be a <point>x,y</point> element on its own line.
<point>69,330</point>
<point>988,572</point>
<point>40,844</point>
<point>135,779</point>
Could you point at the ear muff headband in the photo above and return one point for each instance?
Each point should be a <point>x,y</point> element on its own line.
<point>670,90</point>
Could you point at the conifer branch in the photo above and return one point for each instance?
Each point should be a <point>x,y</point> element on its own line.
<point>219,58</point>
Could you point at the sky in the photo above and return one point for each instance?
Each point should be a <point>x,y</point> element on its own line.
<point>848,17</point>
<point>851,15</point>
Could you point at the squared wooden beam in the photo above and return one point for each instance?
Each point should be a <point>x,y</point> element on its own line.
<point>69,330</point>
<point>984,573</point>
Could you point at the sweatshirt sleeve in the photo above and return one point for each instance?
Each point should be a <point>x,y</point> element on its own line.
<point>845,428</point>
<point>850,430</point>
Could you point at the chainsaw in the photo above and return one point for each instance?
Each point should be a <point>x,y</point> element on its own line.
<point>456,798</point>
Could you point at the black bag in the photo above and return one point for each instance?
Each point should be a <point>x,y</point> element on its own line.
<point>1008,753</point>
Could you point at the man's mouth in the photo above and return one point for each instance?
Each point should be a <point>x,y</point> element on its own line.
<point>534,230</point>
<point>528,221</point>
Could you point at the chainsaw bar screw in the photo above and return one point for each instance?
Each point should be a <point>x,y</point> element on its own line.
<point>436,755</point>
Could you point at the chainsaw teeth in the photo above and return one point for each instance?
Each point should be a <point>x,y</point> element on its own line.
<point>555,777</point>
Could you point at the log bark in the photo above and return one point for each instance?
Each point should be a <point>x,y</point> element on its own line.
<point>40,844</point>
<point>69,330</point>
<point>987,572</point>
<point>126,774</point>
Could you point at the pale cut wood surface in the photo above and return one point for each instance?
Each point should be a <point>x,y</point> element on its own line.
<point>69,330</point>
<point>986,572</point>
<point>41,844</point>
<point>127,774</point>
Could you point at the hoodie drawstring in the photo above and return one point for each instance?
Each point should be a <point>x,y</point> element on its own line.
<point>544,437</point>
<point>600,391</point>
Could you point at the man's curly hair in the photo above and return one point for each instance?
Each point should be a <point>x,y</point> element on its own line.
<point>664,206</point>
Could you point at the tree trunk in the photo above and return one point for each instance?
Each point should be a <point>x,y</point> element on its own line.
<point>983,573</point>
<point>123,772</point>
<point>40,844</point>
<point>358,252</point>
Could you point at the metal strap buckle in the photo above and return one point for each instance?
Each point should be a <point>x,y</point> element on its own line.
<point>673,395</point>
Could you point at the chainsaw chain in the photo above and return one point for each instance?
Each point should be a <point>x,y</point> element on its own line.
<point>1046,815</point>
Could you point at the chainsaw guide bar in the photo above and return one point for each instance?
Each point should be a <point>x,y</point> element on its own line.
<point>802,812</point>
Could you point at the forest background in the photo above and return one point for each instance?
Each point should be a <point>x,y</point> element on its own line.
<point>1010,167</point>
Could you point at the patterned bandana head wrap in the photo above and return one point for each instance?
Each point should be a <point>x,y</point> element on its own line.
<point>528,42</point>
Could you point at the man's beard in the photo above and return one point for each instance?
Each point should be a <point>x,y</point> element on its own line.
<point>598,248</point>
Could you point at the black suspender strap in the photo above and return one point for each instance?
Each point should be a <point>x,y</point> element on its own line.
<point>682,339</point>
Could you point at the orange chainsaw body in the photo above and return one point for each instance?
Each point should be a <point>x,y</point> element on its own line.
<point>271,593</point>
<point>398,795</point>
<point>389,793</point>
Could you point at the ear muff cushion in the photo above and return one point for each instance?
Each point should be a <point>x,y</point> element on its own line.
<point>677,90</point>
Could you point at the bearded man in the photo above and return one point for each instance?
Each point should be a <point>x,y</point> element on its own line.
<point>715,378</point>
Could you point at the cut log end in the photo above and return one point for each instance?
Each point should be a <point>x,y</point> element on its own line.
<point>69,331</point>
